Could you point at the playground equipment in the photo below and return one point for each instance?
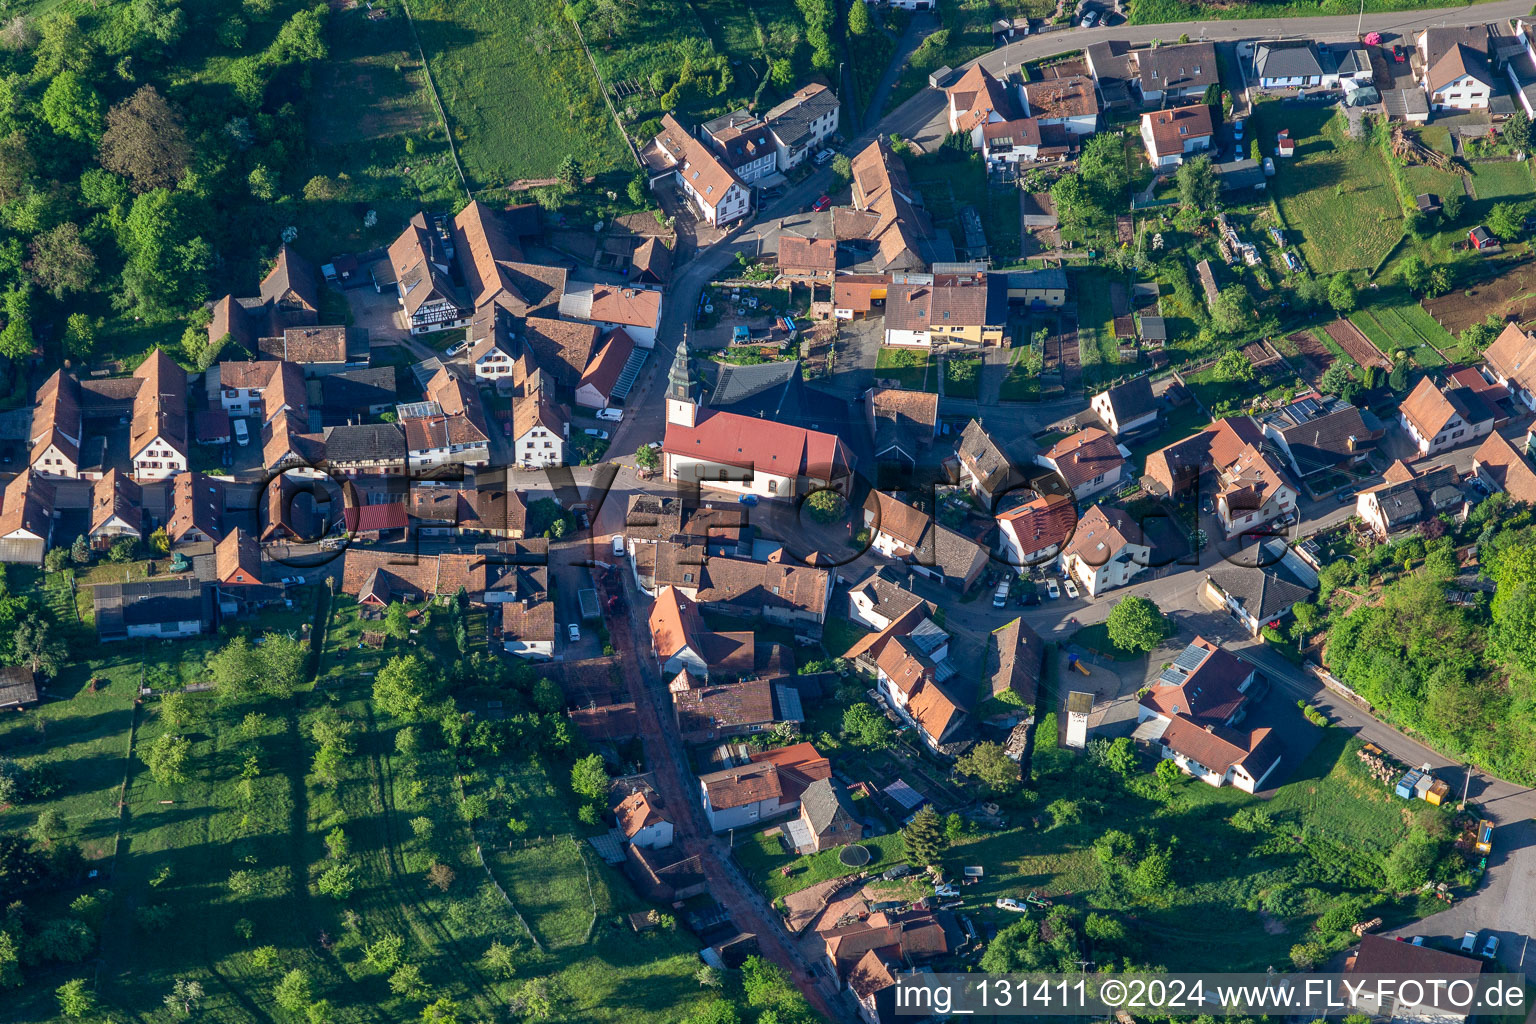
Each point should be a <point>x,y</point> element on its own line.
<point>1073,662</point>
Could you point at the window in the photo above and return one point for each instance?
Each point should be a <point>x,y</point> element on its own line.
<point>722,474</point>
<point>773,487</point>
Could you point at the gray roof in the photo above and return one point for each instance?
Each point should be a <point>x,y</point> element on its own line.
<point>989,461</point>
<point>1045,278</point>
<point>791,120</point>
<point>1237,174</point>
<point>825,805</point>
<point>18,685</point>
<point>365,442</point>
<point>957,556</point>
<point>769,388</point>
<point>883,588</point>
<point>1317,433</point>
<point>1346,60</point>
<point>1154,328</point>
<point>1263,593</point>
<point>1185,66</point>
<point>151,602</point>
<point>1286,60</point>
<point>354,389</point>
<point>1132,399</point>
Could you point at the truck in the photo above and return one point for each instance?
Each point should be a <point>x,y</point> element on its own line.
<point>1485,836</point>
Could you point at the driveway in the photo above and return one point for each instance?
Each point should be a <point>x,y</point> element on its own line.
<point>379,312</point>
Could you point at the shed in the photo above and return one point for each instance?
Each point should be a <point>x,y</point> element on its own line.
<point>1405,785</point>
<point>1079,707</point>
<point>590,609</point>
<point>18,686</point>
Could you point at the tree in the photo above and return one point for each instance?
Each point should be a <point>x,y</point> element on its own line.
<point>647,459</point>
<point>589,777</point>
<point>159,20</point>
<point>122,550</point>
<point>294,992</point>
<point>1337,381</point>
<point>232,668</point>
<point>1136,624</point>
<point>863,724</point>
<point>48,826</point>
<point>1451,207</point>
<point>569,171</point>
<point>167,759</point>
<point>16,337</point>
<point>1102,165</point>
<point>1439,282</point>
<point>35,644</point>
<point>858,19</point>
<point>781,72</point>
<point>184,996</point>
<point>440,877</point>
<point>1071,199</point>
<point>397,622</point>
<point>987,763</point>
<point>842,167</point>
<point>500,960</point>
<point>924,837</point>
<point>80,551</point>
<point>1507,220</point>
<point>1199,188</point>
<point>338,881</point>
<point>1167,773</point>
<point>282,663</point>
<point>301,39</point>
<point>75,1000</point>
<point>72,108</point>
<point>145,141</point>
<point>406,981</point>
<point>10,962</point>
<point>1413,273</point>
<point>160,542</point>
<point>1232,313</point>
<point>826,505</point>
<point>1308,618</point>
<point>441,1011</point>
<point>1118,755</point>
<point>1517,131</point>
<point>403,687</point>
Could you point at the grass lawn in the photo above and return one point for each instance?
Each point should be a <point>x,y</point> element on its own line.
<point>763,858</point>
<point>1096,638</point>
<point>519,92</point>
<point>1406,326</point>
<point>1335,194</point>
<point>1182,421</point>
<point>1374,332</point>
<point>1096,347</point>
<point>1018,384</point>
<point>951,181</point>
<point>908,366</point>
<point>1497,180</point>
<point>968,388</point>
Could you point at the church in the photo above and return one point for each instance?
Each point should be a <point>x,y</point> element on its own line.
<point>728,451</point>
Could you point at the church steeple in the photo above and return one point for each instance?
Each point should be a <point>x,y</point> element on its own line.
<point>681,407</point>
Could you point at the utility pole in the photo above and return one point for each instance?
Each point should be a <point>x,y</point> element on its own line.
<point>1359,24</point>
<point>1466,783</point>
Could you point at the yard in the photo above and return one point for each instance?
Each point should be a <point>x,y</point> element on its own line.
<point>1499,180</point>
<point>519,92</point>
<point>1405,326</point>
<point>1335,195</point>
<point>962,375</point>
<point>764,859</point>
<point>913,368</point>
<point>1097,349</point>
<point>950,181</point>
<point>1019,385</point>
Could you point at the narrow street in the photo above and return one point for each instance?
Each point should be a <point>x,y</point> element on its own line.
<point>668,761</point>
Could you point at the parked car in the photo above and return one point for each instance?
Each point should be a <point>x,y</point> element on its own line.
<point>1000,598</point>
<point>292,581</point>
<point>601,435</point>
<point>824,157</point>
<point>1345,496</point>
<point>1207,504</point>
<point>945,892</point>
<point>1469,942</point>
<point>611,415</point>
<point>1491,947</point>
<point>1029,600</point>
<point>1399,55</point>
<point>1052,590</point>
<point>748,500</point>
<point>1011,905</point>
<point>618,546</point>
<point>899,871</point>
<point>575,633</point>
<point>242,433</point>
<point>1090,19</point>
<point>1071,589</point>
<point>823,203</point>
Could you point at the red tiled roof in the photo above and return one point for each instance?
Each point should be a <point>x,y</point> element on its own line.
<point>776,448</point>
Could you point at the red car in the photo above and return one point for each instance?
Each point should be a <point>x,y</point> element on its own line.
<point>1399,55</point>
<point>821,204</point>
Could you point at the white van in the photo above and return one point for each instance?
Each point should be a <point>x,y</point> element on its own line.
<point>1000,598</point>
<point>242,433</point>
<point>618,546</point>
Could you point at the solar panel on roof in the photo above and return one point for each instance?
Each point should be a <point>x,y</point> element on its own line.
<point>1191,658</point>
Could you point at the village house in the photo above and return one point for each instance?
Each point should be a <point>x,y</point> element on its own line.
<point>828,817</point>
<point>908,673</point>
<point>157,441</point>
<point>1503,467</point>
<point>26,519</point>
<point>1440,418</point>
<point>495,272</point>
<point>903,424</point>
<point>709,712</point>
<point>419,272</point>
<point>1511,361</point>
<point>801,123</point>
<point>1037,289</point>
<point>879,599</point>
<point>1260,590</point>
<point>598,386</point>
<point>554,353</point>
<point>1088,462</point>
<point>1106,551</point>
<point>1192,709</point>
<point>1014,665</point>
<point>1455,70</point>
<point>449,428</point>
<point>1126,408</point>
<point>1287,65</point>
<point>886,226</point>
<point>1174,74</point>
<point>715,191</point>
<point>681,642</point>
<point>157,609</point>
<point>492,347</point>
<point>743,454</point>
<point>896,529</point>
<point>237,559</point>
<point>350,394</point>
<point>925,315</point>
<point>197,509</point>
<point>1024,140</point>
<point>318,351</point>
<point>378,578</point>
<point>1320,434</point>
<point>527,614</point>
<point>117,510</point>
<point>950,558</point>
<point>741,796</point>
<point>1035,531</point>
<point>367,449</point>
<point>259,390</point>
<point>642,822</point>
<point>976,100</point>
<point>985,470</point>
<point>1252,490</point>
<point>1068,102</point>
<point>540,430</point>
<point>743,143</point>
<point>808,260</point>
<point>633,310</point>
<point>1407,497</point>
<point>288,297</point>
<point>1250,486</point>
<point>57,427</point>
<point>780,591</point>
<point>911,937</point>
<point>1381,955</point>
<point>1172,135</point>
